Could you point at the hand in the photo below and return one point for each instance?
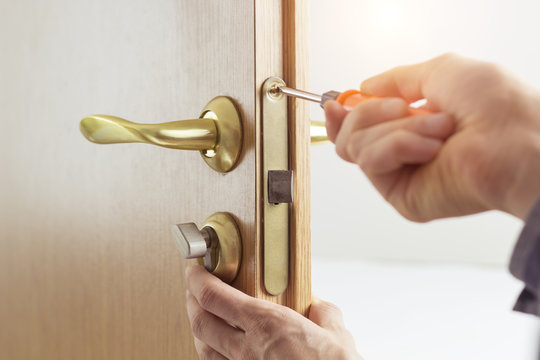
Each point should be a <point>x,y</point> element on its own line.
<point>228,324</point>
<point>480,150</point>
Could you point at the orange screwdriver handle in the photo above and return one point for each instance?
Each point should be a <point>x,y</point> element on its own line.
<point>350,98</point>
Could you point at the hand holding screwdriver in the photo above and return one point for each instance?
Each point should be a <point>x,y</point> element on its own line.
<point>478,150</point>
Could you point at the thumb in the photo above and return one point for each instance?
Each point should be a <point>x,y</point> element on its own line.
<point>325,314</point>
<point>407,82</point>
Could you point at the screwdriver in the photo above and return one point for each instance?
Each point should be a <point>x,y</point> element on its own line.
<point>348,99</point>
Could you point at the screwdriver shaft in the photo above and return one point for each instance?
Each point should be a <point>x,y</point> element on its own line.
<point>348,99</point>
<point>300,94</point>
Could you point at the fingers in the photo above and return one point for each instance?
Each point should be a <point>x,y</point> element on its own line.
<point>326,315</point>
<point>335,114</point>
<point>393,151</point>
<point>365,115</point>
<point>407,82</point>
<point>439,126</point>
<point>206,352</point>
<point>211,330</point>
<point>216,297</point>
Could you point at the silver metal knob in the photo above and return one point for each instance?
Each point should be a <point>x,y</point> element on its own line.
<point>191,242</point>
<point>218,245</point>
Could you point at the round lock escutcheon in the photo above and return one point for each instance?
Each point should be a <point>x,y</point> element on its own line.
<point>217,246</point>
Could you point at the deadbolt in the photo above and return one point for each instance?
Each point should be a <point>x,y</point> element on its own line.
<point>217,245</point>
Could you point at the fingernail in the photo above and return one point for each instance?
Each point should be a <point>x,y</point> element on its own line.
<point>436,122</point>
<point>393,107</point>
<point>329,103</point>
<point>187,293</point>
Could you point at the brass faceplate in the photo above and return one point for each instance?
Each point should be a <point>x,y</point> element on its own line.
<point>275,146</point>
<point>226,252</point>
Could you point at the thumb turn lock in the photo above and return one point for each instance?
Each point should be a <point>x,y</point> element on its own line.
<point>217,245</point>
<point>217,133</point>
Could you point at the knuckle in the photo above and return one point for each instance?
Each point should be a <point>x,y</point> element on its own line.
<point>367,109</point>
<point>398,69</point>
<point>205,353</point>
<point>246,354</point>
<point>486,78</point>
<point>410,211</point>
<point>419,123</point>
<point>490,73</point>
<point>364,112</point>
<point>341,150</point>
<point>207,296</point>
<point>399,142</point>
<point>199,323</point>
<point>364,160</point>
<point>354,150</point>
<point>329,313</point>
<point>494,70</point>
<point>332,308</point>
<point>266,325</point>
<point>447,56</point>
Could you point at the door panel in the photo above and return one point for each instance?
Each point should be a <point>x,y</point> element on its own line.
<point>88,266</point>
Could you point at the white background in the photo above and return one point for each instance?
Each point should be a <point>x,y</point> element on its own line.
<point>415,291</point>
<point>355,39</point>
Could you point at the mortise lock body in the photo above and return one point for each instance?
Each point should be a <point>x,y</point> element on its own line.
<point>277,187</point>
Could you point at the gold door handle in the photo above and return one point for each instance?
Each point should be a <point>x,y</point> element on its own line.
<point>217,133</point>
<point>199,134</point>
<point>318,132</point>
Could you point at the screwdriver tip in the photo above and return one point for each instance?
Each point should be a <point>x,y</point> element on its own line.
<point>275,90</point>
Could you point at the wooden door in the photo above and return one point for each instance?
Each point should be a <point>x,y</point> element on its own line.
<point>88,269</point>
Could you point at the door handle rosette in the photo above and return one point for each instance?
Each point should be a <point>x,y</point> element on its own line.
<point>217,133</point>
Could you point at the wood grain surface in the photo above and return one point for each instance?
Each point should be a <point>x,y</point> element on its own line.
<point>88,269</point>
<point>291,35</point>
<point>296,73</point>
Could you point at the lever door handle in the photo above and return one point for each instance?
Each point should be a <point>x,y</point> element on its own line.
<point>217,133</point>
<point>318,132</point>
<point>200,134</point>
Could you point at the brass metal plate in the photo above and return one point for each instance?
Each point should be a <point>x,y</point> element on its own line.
<point>224,156</point>
<point>318,132</point>
<point>275,146</point>
<point>227,251</point>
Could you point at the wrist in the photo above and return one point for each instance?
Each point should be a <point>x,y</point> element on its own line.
<point>512,153</point>
<point>525,187</point>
